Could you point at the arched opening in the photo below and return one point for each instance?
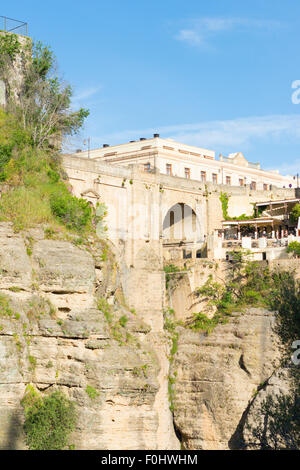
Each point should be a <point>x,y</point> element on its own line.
<point>180,223</point>
<point>181,232</point>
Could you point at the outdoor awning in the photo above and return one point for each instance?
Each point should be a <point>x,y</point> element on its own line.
<point>261,221</point>
<point>281,201</point>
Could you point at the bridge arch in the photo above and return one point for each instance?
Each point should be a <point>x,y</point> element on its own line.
<point>181,223</point>
<point>181,232</point>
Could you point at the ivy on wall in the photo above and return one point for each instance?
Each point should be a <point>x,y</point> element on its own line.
<point>224,198</point>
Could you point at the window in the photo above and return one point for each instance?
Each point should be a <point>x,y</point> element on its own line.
<point>147,166</point>
<point>203,176</point>
<point>241,181</point>
<point>253,185</point>
<point>187,172</point>
<point>187,254</point>
<point>265,187</point>
<point>228,179</point>
<point>215,178</point>
<point>169,169</point>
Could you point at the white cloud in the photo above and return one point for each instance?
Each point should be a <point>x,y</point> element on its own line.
<point>203,30</point>
<point>85,94</point>
<point>233,133</point>
<point>288,168</point>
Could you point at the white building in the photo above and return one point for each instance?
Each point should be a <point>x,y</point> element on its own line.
<point>186,161</point>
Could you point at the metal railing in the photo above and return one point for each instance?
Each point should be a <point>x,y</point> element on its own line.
<point>10,25</point>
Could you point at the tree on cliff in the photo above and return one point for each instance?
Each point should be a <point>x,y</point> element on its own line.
<point>37,116</point>
<point>42,101</point>
<point>45,101</point>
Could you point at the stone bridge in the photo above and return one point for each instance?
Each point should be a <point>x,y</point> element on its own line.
<point>151,215</point>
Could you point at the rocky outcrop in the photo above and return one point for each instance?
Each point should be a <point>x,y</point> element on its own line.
<point>277,386</point>
<point>54,336</point>
<point>218,375</point>
<point>64,324</point>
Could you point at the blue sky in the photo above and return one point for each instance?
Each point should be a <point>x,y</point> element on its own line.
<point>214,74</point>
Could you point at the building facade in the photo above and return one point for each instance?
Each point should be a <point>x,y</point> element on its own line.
<point>175,159</point>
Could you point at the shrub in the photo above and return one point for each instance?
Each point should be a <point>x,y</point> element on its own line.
<point>104,307</point>
<point>75,213</point>
<point>295,214</point>
<point>12,137</point>
<point>5,309</point>
<point>123,320</point>
<point>294,247</point>
<point>92,392</point>
<point>202,322</point>
<point>48,420</point>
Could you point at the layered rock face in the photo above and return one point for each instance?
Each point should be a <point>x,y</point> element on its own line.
<point>53,336</point>
<point>217,377</point>
<point>64,324</point>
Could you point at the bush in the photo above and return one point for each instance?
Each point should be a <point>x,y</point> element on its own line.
<point>295,214</point>
<point>92,392</point>
<point>5,309</point>
<point>294,247</point>
<point>48,420</point>
<point>123,320</point>
<point>202,322</point>
<point>75,213</point>
<point>12,138</point>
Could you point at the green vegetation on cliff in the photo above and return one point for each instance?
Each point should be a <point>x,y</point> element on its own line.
<point>248,283</point>
<point>48,420</point>
<point>280,426</point>
<point>32,127</point>
<point>294,247</point>
<point>295,214</point>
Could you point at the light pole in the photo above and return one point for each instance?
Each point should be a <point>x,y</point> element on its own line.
<point>88,142</point>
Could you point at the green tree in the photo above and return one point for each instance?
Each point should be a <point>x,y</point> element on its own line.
<point>295,214</point>
<point>294,247</point>
<point>43,102</point>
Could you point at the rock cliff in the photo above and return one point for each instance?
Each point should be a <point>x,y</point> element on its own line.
<point>64,324</point>
<point>54,335</point>
<point>217,377</point>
